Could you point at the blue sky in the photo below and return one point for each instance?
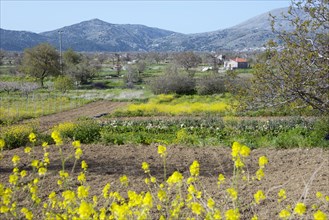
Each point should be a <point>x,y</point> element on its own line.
<point>181,16</point>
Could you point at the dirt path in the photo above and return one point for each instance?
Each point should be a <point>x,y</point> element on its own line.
<point>93,109</point>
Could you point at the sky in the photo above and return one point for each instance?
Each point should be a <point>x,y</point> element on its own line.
<point>183,16</point>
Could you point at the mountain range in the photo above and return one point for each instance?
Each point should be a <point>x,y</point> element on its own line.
<point>97,35</point>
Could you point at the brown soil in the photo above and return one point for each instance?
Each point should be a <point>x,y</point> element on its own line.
<point>302,172</point>
<point>93,109</point>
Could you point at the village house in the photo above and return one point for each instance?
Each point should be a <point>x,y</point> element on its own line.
<point>236,63</point>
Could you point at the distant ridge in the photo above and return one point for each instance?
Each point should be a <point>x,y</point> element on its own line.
<point>97,35</point>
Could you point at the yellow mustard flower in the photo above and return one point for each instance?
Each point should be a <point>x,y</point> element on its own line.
<point>27,150</point>
<point>42,171</point>
<point>245,151</point>
<point>259,196</point>
<point>236,147</point>
<point>232,214</point>
<point>300,208</point>
<point>197,208</point>
<point>124,180</point>
<point>28,214</point>
<point>78,153</point>
<point>220,179</point>
<point>319,195</point>
<point>44,144</point>
<point>2,144</point>
<point>82,177</point>
<point>262,161</point>
<point>195,168</point>
<point>233,193</point>
<point>84,165</point>
<point>319,215</point>
<point>83,192</point>
<point>284,214</point>
<point>13,179</point>
<point>32,137</point>
<point>147,200</point>
<point>145,167</point>
<point>23,173</point>
<point>162,195</point>
<point>106,190</point>
<point>162,151</point>
<point>210,203</point>
<point>260,174</point>
<point>15,160</point>
<point>238,163</point>
<point>327,198</point>
<point>57,138</point>
<point>176,177</point>
<point>85,210</point>
<point>254,217</point>
<point>282,195</point>
<point>76,144</point>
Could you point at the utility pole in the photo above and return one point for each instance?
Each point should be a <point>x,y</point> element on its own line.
<point>60,51</point>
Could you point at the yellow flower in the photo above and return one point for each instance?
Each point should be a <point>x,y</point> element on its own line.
<point>232,214</point>
<point>57,138</point>
<point>319,215</point>
<point>106,190</point>
<point>84,165</point>
<point>32,137</point>
<point>176,177</point>
<point>162,151</point>
<point>78,153</point>
<point>83,192</point>
<point>233,193</point>
<point>162,195</point>
<point>262,161</point>
<point>23,173</point>
<point>282,195</point>
<point>259,196</point>
<point>124,180</point>
<point>44,144</point>
<point>197,208</point>
<point>76,144</point>
<point>300,208</point>
<point>254,217</point>
<point>35,163</point>
<point>319,195</point>
<point>238,163</point>
<point>221,179</point>
<point>284,214</point>
<point>147,200</point>
<point>13,179</point>
<point>15,160</point>
<point>28,214</point>
<point>82,177</point>
<point>85,210</point>
<point>27,150</point>
<point>2,144</point>
<point>42,171</point>
<point>153,179</point>
<point>145,167</point>
<point>195,168</point>
<point>210,203</point>
<point>245,151</point>
<point>260,174</point>
<point>236,149</point>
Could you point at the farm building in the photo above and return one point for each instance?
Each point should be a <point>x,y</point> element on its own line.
<point>236,63</point>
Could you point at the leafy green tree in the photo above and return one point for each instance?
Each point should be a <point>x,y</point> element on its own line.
<point>41,61</point>
<point>78,67</point>
<point>297,71</point>
<point>63,83</point>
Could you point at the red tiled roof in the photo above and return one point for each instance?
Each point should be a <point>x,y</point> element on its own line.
<point>239,60</point>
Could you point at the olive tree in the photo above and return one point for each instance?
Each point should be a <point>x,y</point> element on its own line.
<point>41,61</point>
<point>297,71</point>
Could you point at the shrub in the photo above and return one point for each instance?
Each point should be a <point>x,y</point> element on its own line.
<point>16,136</point>
<point>173,83</point>
<point>66,129</point>
<point>210,85</point>
<point>63,83</point>
<point>87,131</point>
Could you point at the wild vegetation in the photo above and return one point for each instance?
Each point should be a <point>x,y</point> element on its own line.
<point>173,102</point>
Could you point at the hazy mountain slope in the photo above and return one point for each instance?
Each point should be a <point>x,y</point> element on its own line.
<point>19,40</point>
<point>97,35</point>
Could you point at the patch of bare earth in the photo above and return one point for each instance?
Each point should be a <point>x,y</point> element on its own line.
<point>302,172</point>
<point>93,109</point>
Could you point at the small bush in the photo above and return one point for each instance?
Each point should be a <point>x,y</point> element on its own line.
<point>210,85</point>
<point>87,131</point>
<point>173,83</point>
<point>63,83</point>
<point>16,136</point>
